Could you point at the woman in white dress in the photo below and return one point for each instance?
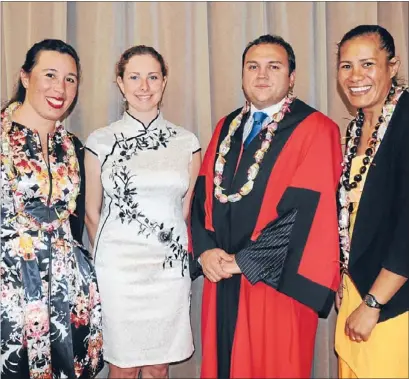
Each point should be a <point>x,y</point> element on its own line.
<point>140,174</point>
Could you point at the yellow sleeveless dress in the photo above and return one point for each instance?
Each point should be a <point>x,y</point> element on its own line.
<point>385,354</point>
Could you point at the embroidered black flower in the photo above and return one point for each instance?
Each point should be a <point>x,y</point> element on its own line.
<point>165,236</point>
<point>125,193</point>
<point>151,139</point>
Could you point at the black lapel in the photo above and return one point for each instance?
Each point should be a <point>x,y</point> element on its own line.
<point>221,211</point>
<point>77,221</point>
<point>379,184</point>
<point>233,155</point>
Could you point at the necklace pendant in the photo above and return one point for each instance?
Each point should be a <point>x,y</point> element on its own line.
<point>225,146</point>
<point>344,218</point>
<point>246,189</point>
<point>234,125</point>
<point>345,246</point>
<point>381,131</point>
<point>343,197</point>
<point>217,180</point>
<point>269,137</point>
<point>219,166</point>
<point>72,205</point>
<point>234,198</point>
<point>223,198</point>
<point>344,234</point>
<point>265,145</point>
<point>253,171</point>
<point>259,155</point>
<point>224,149</point>
<point>5,148</point>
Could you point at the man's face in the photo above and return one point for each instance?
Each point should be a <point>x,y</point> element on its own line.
<point>266,78</point>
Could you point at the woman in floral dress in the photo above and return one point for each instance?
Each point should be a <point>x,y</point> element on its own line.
<point>50,307</point>
<point>143,169</point>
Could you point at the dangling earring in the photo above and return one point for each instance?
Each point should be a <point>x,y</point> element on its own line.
<point>290,91</point>
<point>124,99</point>
<point>391,91</point>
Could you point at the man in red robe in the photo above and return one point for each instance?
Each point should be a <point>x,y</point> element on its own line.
<point>264,225</point>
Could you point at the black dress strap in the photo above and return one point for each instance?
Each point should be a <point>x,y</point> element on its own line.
<point>77,220</point>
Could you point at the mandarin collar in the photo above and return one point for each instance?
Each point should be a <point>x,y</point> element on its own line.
<point>132,121</point>
<point>58,128</point>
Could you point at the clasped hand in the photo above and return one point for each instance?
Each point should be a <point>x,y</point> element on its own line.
<point>218,265</point>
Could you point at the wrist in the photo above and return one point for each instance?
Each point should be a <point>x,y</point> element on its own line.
<point>371,302</point>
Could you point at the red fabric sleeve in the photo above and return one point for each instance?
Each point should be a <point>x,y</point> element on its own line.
<point>320,171</point>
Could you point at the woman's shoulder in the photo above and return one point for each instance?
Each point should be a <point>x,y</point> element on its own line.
<point>189,138</point>
<point>74,137</point>
<point>399,121</point>
<point>403,102</point>
<point>77,142</point>
<point>180,130</point>
<point>106,132</point>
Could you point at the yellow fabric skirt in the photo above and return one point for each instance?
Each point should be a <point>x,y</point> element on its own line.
<point>384,355</point>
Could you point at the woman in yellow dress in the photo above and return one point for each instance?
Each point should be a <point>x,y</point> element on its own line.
<point>373,300</point>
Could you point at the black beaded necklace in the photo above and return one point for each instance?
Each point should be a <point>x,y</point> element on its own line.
<point>368,152</point>
<point>354,135</point>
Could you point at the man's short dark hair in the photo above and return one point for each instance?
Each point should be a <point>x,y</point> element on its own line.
<point>273,40</point>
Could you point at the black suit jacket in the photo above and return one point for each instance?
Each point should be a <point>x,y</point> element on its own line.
<point>381,233</point>
<point>77,220</point>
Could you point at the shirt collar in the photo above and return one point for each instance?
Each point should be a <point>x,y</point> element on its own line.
<point>270,111</point>
<point>130,120</point>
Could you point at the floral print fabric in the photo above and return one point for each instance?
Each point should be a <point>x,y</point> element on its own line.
<point>50,306</point>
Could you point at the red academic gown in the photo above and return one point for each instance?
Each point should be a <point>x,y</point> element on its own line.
<point>255,330</point>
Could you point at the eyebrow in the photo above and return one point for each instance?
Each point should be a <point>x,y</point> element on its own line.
<point>361,60</point>
<point>54,70</point>
<point>149,73</point>
<point>279,62</point>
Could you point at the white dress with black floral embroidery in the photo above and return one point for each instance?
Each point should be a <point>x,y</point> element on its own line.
<point>141,244</point>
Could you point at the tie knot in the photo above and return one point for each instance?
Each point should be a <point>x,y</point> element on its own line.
<point>259,117</point>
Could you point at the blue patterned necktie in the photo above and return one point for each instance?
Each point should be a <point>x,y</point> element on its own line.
<point>258,118</point>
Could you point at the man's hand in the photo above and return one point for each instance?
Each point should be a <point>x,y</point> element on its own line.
<point>211,261</point>
<point>231,267</point>
<point>360,323</point>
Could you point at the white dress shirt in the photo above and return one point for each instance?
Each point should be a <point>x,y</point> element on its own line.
<point>270,111</point>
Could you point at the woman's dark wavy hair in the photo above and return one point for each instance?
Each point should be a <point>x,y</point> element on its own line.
<point>387,42</point>
<point>32,59</point>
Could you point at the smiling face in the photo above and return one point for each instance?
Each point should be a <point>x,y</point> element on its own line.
<point>51,86</point>
<point>266,78</point>
<point>142,85</point>
<point>365,73</point>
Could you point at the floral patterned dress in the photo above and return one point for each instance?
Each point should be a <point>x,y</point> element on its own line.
<point>50,305</point>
